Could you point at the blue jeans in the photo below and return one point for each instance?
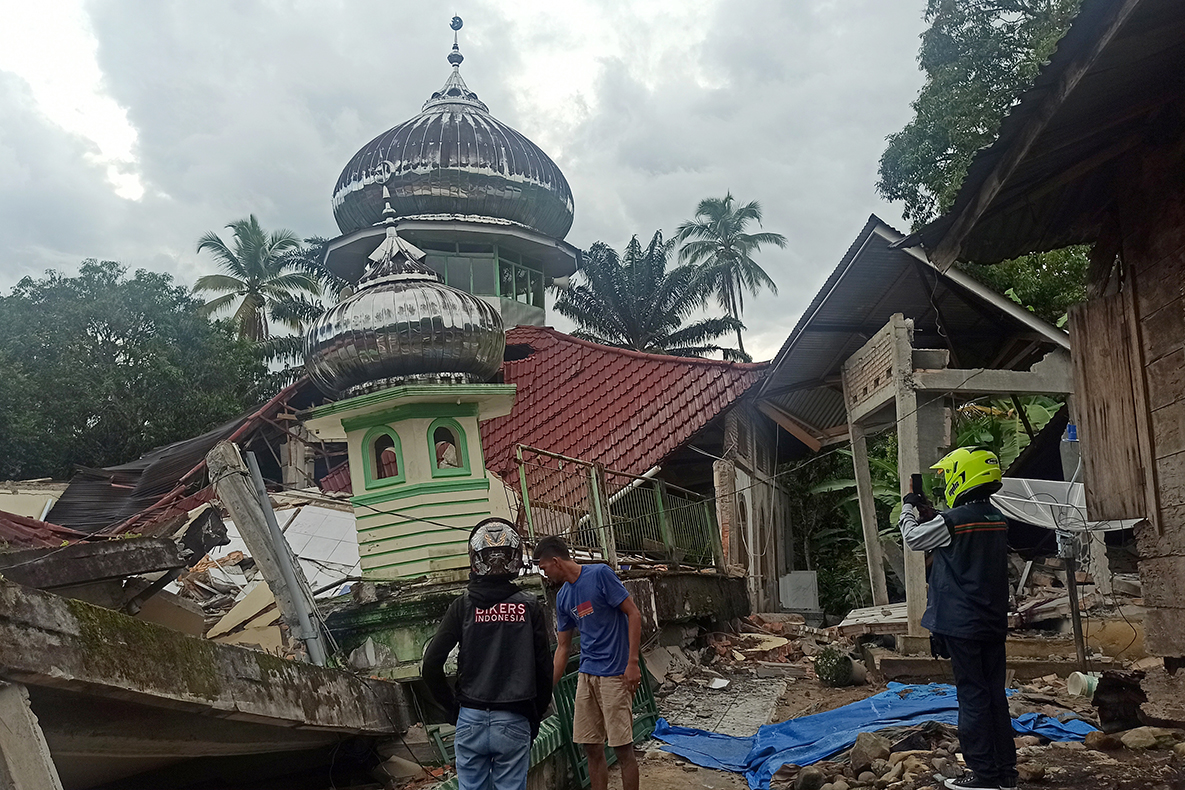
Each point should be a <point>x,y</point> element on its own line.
<point>493,750</point>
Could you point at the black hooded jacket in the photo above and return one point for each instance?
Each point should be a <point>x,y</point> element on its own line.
<point>505,655</point>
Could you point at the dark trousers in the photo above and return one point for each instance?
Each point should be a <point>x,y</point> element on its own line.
<point>985,728</point>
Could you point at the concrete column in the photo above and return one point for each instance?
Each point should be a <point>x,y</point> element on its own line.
<point>25,762</point>
<point>724,483</point>
<point>923,435</point>
<point>872,544</point>
<point>909,462</point>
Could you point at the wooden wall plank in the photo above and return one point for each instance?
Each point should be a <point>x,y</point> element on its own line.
<point>1105,403</point>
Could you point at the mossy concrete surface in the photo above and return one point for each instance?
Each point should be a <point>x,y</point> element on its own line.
<point>47,640</point>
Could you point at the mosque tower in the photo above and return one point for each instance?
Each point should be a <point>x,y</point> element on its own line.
<point>452,225</point>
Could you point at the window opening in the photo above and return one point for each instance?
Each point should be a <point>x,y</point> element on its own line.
<point>445,442</point>
<point>386,458</point>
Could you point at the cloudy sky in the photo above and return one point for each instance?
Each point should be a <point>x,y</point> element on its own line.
<point>130,127</point>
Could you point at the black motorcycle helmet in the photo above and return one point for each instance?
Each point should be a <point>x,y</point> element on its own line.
<point>495,548</point>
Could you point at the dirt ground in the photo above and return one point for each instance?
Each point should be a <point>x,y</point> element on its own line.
<point>1065,766</point>
<point>806,696</point>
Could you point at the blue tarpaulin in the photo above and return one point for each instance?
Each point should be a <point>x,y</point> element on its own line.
<point>813,738</point>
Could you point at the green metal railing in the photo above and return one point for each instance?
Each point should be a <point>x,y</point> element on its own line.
<point>616,517</point>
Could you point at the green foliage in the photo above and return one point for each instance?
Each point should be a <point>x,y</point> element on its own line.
<point>978,56</point>
<point>716,240</point>
<point>634,301</point>
<point>825,512</point>
<point>260,273</point>
<point>99,368</point>
<point>1047,283</point>
<point>997,425</point>
<point>833,666</point>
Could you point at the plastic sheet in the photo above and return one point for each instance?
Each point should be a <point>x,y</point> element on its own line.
<point>809,739</point>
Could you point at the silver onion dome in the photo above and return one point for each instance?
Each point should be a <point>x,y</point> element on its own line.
<point>402,326</point>
<point>454,159</point>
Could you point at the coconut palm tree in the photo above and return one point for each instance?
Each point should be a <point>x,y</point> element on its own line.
<point>633,301</point>
<point>716,239</point>
<point>258,270</point>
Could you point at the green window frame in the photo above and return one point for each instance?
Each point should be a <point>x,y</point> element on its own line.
<point>461,444</point>
<point>369,470</point>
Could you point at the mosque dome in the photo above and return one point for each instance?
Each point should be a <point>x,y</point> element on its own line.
<point>402,326</point>
<point>454,160</point>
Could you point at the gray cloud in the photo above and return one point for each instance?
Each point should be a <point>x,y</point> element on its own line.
<point>246,108</point>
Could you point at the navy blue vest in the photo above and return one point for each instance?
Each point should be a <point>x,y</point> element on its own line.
<point>968,592</point>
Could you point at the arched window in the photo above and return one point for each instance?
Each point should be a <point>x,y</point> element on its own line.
<point>450,454</point>
<point>382,458</point>
<point>386,460</point>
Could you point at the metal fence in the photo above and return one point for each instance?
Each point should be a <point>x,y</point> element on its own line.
<point>616,517</point>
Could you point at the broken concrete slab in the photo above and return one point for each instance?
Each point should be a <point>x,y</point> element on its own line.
<point>46,640</point>
<point>81,563</point>
<point>25,762</point>
<point>893,666</point>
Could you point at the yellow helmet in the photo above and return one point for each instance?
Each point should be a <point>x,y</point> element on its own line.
<point>967,468</point>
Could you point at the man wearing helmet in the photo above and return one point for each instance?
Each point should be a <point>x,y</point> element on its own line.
<point>503,684</point>
<point>967,606</point>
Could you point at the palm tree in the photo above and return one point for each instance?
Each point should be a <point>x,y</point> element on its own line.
<point>632,301</point>
<point>258,270</point>
<point>716,239</point>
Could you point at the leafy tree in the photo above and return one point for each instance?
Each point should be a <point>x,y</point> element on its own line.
<point>259,271</point>
<point>716,239</point>
<point>634,301</point>
<point>979,56</point>
<point>997,425</point>
<point>297,311</point>
<point>99,368</point>
<point>1046,283</point>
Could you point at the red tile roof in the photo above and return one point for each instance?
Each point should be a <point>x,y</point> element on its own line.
<point>625,409</point>
<point>22,532</point>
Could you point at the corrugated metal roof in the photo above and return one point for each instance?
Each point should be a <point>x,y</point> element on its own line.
<point>871,283</point>
<point>99,500</point>
<point>1050,176</point>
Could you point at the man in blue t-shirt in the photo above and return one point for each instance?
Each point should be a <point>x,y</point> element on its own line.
<point>594,600</point>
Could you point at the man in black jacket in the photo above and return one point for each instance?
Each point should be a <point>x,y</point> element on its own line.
<point>504,668</point>
<point>967,607</point>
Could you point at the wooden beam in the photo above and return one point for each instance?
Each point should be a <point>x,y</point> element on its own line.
<point>867,502</point>
<point>949,249</point>
<point>790,425</point>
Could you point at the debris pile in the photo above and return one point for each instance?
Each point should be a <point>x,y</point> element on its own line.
<point>218,584</point>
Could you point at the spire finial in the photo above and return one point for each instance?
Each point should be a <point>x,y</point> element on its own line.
<point>455,57</point>
<point>388,212</point>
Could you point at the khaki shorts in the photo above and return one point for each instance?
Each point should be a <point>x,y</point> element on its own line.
<point>604,711</point>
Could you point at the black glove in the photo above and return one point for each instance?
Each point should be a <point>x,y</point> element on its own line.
<point>917,500</point>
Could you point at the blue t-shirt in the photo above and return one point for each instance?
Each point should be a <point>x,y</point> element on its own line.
<point>591,604</point>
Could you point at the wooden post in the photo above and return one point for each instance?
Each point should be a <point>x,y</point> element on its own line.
<point>872,543</point>
<point>25,762</point>
<point>236,491</point>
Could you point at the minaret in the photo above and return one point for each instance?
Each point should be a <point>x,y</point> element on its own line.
<point>410,358</point>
